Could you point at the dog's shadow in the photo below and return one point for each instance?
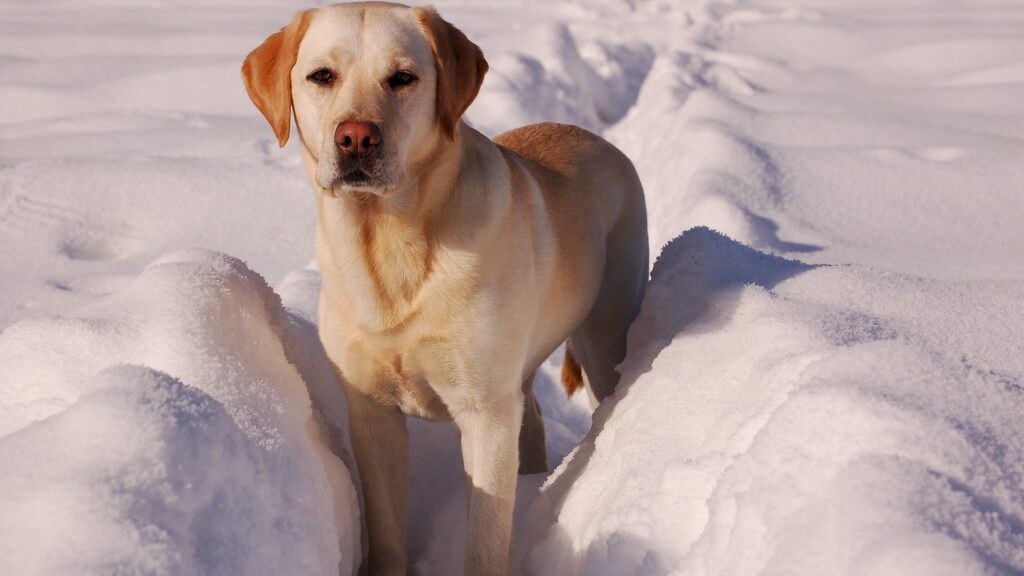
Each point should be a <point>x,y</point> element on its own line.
<point>693,289</point>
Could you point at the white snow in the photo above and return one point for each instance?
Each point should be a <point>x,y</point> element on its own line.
<point>168,430</point>
<point>827,376</point>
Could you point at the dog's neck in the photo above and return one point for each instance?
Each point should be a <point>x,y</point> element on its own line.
<point>376,252</point>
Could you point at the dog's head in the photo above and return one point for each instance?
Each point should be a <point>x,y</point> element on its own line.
<point>376,88</point>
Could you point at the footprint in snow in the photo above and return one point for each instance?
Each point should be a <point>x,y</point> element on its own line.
<point>96,247</point>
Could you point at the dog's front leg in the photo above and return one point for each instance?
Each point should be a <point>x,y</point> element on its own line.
<point>490,451</point>
<point>381,445</point>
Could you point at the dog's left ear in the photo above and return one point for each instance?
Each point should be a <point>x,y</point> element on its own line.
<point>267,75</point>
<point>460,68</point>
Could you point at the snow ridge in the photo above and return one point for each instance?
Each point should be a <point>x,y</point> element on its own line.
<point>774,416</point>
<point>220,468</point>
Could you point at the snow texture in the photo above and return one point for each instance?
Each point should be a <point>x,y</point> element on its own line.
<point>826,377</point>
<point>167,429</point>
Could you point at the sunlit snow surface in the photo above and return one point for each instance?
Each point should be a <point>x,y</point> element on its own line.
<point>826,377</point>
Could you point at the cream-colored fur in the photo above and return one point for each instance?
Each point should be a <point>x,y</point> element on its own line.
<point>457,264</point>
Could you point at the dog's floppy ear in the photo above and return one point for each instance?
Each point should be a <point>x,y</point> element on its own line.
<point>460,68</point>
<point>267,75</point>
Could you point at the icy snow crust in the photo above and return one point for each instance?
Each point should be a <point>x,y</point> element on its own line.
<point>826,376</point>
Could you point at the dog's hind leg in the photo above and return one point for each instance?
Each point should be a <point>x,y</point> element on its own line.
<point>598,345</point>
<point>533,456</point>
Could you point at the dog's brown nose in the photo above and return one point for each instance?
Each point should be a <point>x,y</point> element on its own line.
<point>357,139</point>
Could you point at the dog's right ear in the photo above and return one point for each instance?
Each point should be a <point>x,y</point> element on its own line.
<point>267,75</point>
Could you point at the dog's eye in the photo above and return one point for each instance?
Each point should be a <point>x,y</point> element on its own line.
<point>399,79</point>
<point>322,76</point>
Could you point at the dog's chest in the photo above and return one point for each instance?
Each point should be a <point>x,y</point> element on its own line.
<point>412,393</point>
<point>395,378</point>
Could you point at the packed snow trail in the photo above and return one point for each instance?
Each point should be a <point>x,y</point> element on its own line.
<point>826,377</point>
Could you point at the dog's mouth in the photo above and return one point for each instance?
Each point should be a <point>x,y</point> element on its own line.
<point>357,177</point>
<point>362,175</point>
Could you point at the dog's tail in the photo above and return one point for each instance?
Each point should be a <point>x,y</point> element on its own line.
<point>572,374</point>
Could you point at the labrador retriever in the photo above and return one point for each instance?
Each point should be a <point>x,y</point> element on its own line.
<point>452,265</point>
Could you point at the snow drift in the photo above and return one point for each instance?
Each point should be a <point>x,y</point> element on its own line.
<point>167,429</point>
<point>756,432</point>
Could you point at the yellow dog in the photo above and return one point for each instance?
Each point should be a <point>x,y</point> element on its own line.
<point>453,265</point>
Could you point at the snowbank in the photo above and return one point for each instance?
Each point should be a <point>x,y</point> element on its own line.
<point>167,429</point>
<point>777,417</point>
<point>757,432</point>
<point>546,78</point>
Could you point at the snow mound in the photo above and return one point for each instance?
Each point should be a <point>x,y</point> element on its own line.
<point>756,432</point>
<point>550,77</point>
<point>205,455</point>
